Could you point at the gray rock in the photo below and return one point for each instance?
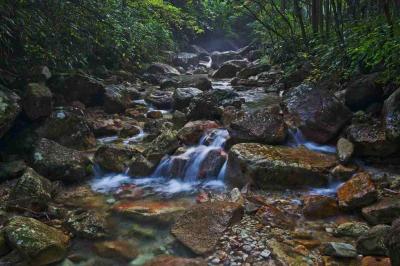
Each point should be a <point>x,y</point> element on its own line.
<point>9,109</point>
<point>372,243</point>
<point>345,150</point>
<point>341,250</point>
<point>37,102</point>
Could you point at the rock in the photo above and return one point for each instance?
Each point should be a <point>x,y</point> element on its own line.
<point>39,74</point>
<point>163,69</point>
<point>186,59</point>
<point>31,191</point>
<point>86,224</point>
<point>344,172</point>
<point>191,133</point>
<point>183,96</point>
<point>392,242</point>
<point>362,92</point>
<point>175,261</point>
<point>39,243</point>
<point>253,70</point>
<point>316,112</point>
<point>274,166</point>
<point>319,207</point>
<point>391,113</point>
<point>155,114</point>
<point>351,229</point>
<point>114,157</point>
<point>200,227</point>
<point>9,109</point>
<point>263,126</point>
<point>341,250</point>
<point>226,71</point>
<point>69,127</point>
<point>37,102</point>
<point>129,131</point>
<point>345,150</point>
<point>10,170</point>
<point>218,58</point>
<point>385,211</point>
<point>203,83</point>
<point>358,192</point>
<point>161,99</point>
<point>206,105</point>
<point>198,81</point>
<point>57,162</point>
<point>139,166</point>
<point>79,87</point>
<point>118,98</point>
<point>165,143</point>
<point>372,243</point>
<point>212,163</point>
<point>274,217</point>
<point>375,261</point>
<point>117,249</point>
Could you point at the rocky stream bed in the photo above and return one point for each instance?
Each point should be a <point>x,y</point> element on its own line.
<point>217,160</point>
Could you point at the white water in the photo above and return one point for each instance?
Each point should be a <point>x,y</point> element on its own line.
<point>297,139</point>
<point>137,138</point>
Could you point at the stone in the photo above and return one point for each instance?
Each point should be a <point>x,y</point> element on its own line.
<point>344,172</point>
<point>161,99</point>
<point>118,98</point>
<point>163,69</point>
<point>351,229</point>
<point>39,243</point>
<point>185,59</point>
<point>392,242</point>
<point>375,261</point>
<point>359,191</point>
<point>37,101</point>
<point>31,191</point>
<point>69,127</point>
<point>345,150</point>
<point>212,163</point>
<point>200,227</point>
<point>116,249</point>
<point>263,126</point>
<point>114,157</point>
<point>391,113</point>
<point>12,169</point>
<point>316,112</point>
<point>341,250</point>
<point>253,70</point>
<point>165,143</point>
<point>129,131</point>
<point>9,109</point>
<point>218,58</point>
<point>183,96</point>
<point>86,224</point>
<point>319,207</point>
<point>385,211</point>
<point>191,133</point>
<point>198,81</point>
<point>277,167</point>
<point>155,114</point>
<point>139,166</point>
<point>167,260</point>
<point>362,92</point>
<point>57,162</point>
<point>274,217</point>
<point>226,71</point>
<point>372,243</point>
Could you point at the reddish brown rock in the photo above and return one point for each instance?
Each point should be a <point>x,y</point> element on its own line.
<point>166,260</point>
<point>375,261</point>
<point>117,249</point>
<point>191,133</point>
<point>384,211</point>
<point>319,207</point>
<point>272,216</point>
<point>154,114</point>
<point>358,192</point>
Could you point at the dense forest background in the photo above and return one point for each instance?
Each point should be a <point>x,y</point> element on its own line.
<point>339,38</point>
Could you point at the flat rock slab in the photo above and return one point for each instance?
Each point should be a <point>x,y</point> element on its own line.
<point>200,227</point>
<point>275,166</point>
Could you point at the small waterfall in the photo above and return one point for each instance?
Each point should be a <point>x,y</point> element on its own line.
<point>137,138</point>
<point>297,139</point>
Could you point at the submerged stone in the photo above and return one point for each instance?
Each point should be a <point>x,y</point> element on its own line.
<point>175,261</point>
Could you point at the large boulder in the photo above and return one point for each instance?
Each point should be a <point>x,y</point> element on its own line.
<point>37,102</point>
<point>161,99</point>
<point>86,224</point>
<point>385,211</point>
<point>186,59</point>
<point>114,157</point>
<point>69,127</point>
<point>191,133</point>
<point>316,112</point>
<point>319,207</point>
<point>274,166</point>
<point>264,125</point>
<point>40,244</point>
<point>166,143</point>
<point>253,70</point>
<point>226,71</point>
<point>117,98</point>
<point>57,162</point>
<point>372,243</point>
<point>218,58</point>
<point>392,242</point>
<point>362,92</point>
<point>200,227</point>
<point>9,109</point>
<point>207,105</point>
<point>32,191</point>
<point>199,81</point>
<point>183,96</point>
<point>162,69</point>
<point>391,113</point>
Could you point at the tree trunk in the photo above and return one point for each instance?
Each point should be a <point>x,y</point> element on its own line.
<point>315,15</point>
<point>299,16</point>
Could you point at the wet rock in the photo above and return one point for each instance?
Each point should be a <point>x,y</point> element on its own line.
<point>31,191</point>
<point>274,217</point>
<point>226,71</point>
<point>362,92</point>
<point>341,250</point>
<point>200,227</point>
<point>117,249</point>
<point>351,229</point>
<point>117,98</point>
<point>206,105</point>
<point>86,224</point>
<point>319,207</point>
<point>183,96</point>
<point>316,112</point>
<point>166,143</point>
<point>385,211</point>
<point>37,102</point>
<point>9,109</point>
<point>191,133</point>
<point>161,99</point>
<point>69,127</point>
<point>57,162</point>
<point>186,59</point>
<point>372,243</point>
<point>218,58</point>
<point>358,192</point>
<point>10,170</point>
<point>212,164</point>
<point>265,125</point>
<point>39,243</point>
<point>344,172</point>
<point>345,150</point>
<point>392,242</point>
<point>253,70</point>
<point>129,131</point>
<point>155,114</point>
<point>391,112</point>
<point>199,81</point>
<point>139,166</point>
<point>175,261</point>
<point>375,261</point>
<point>114,157</point>
<point>163,69</point>
<point>274,166</point>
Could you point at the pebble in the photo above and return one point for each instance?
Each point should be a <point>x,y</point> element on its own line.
<point>265,253</point>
